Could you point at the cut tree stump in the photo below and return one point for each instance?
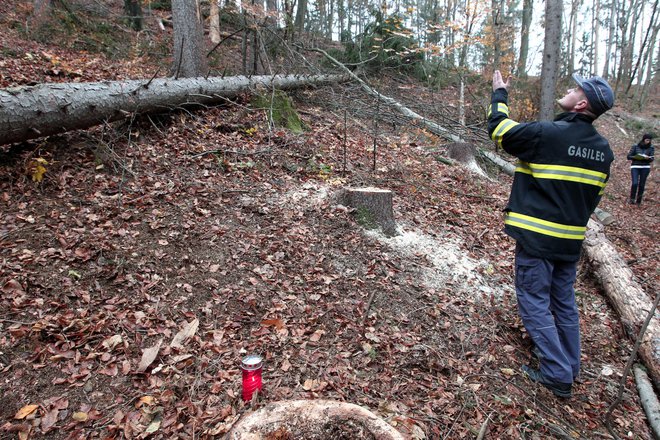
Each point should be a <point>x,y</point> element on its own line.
<point>317,419</point>
<point>373,208</point>
<point>465,153</point>
<point>626,295</point>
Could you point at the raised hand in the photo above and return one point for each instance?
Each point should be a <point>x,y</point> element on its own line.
<point>498,82</point>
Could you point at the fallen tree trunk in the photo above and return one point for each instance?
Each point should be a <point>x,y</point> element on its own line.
<point>626,295</point>
<point>45,109</point>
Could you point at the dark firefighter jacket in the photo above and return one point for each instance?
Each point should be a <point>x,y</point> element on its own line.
<point>560,177</point>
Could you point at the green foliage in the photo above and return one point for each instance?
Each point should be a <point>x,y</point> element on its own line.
<point>639,126</point>
<point>279,107</point>
<point>163,5</point>
<point>386,43</point>
<point>82,32</point>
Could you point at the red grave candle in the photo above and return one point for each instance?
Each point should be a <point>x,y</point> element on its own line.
<point>252,367</point>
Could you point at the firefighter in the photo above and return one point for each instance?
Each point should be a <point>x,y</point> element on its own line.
<point>563,167</point>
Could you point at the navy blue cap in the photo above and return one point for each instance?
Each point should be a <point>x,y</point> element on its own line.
<point>598,93</point>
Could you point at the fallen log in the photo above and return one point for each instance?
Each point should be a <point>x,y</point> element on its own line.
<point>34,111</point>
<point>626,295</point>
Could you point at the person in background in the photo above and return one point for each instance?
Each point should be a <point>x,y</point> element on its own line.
<point>562,171</point>
<point>641,155</point>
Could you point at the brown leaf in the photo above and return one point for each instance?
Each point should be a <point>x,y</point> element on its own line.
<point>25,411</point>
<point>316,335</point>
<point>148,356</point>
<point>277,323</point>
<point>111,342</point>
<point>12,287</point>
<point>49,420</point>
<point>187,332</point>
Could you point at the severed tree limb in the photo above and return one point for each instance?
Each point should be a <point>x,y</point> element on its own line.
<point>627,296</point>
<point>649,400</point>
<point>626,370</point>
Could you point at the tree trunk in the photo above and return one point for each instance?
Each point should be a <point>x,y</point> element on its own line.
<point>41,11</point>
<point>551,51</point>
<point>595,41</point>
<point>626,295</point>
<point>610,40</point>
<point>35,111</point>
<point>214,22</point>
<point>373,208</point>
<point>299,24</point>
<point>528,7</point>
<point>133,10</point>
<point>189,56</point>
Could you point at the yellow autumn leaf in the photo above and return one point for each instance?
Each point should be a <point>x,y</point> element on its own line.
<point>507,371</point>
<point>37,168</point>
<point>147,400</point>
<point>80,416</point>
<point>25,411</point>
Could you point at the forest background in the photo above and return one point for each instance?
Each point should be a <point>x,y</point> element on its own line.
<point>141,259</point>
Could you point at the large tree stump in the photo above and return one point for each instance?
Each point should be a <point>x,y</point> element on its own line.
<point>317,419</point>
<point>464,153</point>
<point>373,208</point>
<point>626,295</point>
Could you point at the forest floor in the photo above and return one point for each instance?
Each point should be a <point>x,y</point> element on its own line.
<point>156,253</point>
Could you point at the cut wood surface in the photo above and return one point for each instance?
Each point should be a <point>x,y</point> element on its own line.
<point>626,295</point>
<point>34,111</point>
<point>374,208</point>
<point>319,419</point>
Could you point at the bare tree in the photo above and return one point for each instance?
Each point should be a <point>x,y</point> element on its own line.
<point>189,56</point>
<point>551,51</point>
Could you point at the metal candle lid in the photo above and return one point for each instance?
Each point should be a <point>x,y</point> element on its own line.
<point>252,362</point>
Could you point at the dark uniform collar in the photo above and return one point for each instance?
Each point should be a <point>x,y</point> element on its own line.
<point>572,116</point>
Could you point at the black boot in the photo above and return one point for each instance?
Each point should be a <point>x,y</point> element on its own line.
<point>563,390</point>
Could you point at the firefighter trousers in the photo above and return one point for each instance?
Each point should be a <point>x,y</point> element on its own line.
<point>546,303</point>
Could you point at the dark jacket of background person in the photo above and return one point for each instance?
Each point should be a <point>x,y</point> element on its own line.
<point>562,171</point>
<point>640,148</point>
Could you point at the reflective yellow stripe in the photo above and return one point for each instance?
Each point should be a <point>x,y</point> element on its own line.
<point>501,129</point>
<point>501,108</point>
<point>545,227</point>
<point>563,172</point>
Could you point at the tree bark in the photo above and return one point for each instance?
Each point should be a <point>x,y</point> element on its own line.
<point>626,295</point>
<point>551,51</point>
<point>214,22</point>
<point>528,9</point>
<point>189,59</point>
<point>35,111</point>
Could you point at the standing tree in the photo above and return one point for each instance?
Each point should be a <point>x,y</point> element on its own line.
<point>133,10</point>
<point>528,9</point>
<point>214,22</point>
<point>551,51</point>
<point>299,24</point>
<point>189,56</point>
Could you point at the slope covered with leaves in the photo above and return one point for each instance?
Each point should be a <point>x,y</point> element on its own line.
<point>154,254</point>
